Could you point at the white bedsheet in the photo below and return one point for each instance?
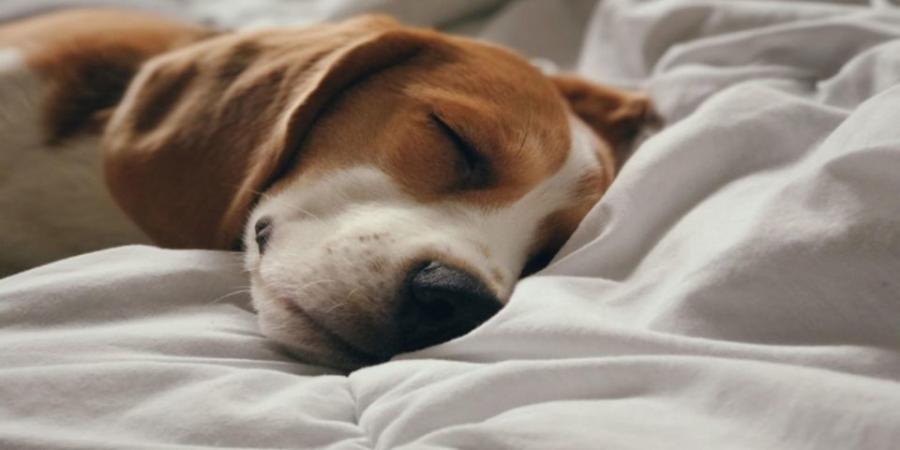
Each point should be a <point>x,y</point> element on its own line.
<point>737,288</point>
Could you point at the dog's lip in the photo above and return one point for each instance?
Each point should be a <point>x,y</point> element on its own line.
<point>342,345</point>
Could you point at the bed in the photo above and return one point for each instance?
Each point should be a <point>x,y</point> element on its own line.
<point>737,288</point>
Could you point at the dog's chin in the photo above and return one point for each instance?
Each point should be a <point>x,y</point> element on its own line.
<point>285,323</point>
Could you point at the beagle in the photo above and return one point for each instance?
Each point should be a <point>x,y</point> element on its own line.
<point>388,185</point>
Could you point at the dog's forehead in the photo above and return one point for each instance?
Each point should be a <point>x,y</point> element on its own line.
<point>502,95</point>
<point>507,110</point>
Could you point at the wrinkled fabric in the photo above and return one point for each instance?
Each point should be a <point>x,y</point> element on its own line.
<point>737,288</point>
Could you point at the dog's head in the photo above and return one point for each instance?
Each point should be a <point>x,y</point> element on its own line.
<point>388,185</point>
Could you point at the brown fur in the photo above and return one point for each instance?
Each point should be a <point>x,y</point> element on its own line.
<point>212,120</point>
<point>615,115</point>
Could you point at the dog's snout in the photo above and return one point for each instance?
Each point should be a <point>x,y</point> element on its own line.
<point>440,303</point>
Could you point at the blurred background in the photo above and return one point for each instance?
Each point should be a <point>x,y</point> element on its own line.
<point>551,30</point>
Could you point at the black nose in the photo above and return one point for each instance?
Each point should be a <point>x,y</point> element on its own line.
<point>441,303</point>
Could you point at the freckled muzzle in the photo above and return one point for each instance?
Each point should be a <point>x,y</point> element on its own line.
<point>346,305</point>
<point>433,303</point>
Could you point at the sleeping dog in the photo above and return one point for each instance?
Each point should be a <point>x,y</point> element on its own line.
<point>388,185</point>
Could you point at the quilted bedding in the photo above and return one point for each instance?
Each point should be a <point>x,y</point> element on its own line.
<point>737,288</point>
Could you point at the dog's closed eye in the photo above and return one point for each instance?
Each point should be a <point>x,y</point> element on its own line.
<point>473,170</point>
<point>263,229</point>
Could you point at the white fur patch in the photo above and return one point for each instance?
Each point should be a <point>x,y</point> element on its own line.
<point>53,201</point>
<point>341,245</point>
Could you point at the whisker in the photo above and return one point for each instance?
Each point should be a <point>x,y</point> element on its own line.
<point>245,290</point>
<point>337,304</point>
<point>314,283</point>
<point>282,201</point>
<point>334,307</point>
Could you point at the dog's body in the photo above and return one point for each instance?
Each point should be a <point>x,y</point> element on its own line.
<point>40,183</point>
<point>54,199</point>
<point>389,184</point>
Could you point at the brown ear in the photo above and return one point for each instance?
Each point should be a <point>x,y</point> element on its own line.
<point>615,115</point>
<point>204,129</point>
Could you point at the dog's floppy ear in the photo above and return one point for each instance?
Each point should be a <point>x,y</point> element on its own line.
<point>203,130</point>
<point>615,115</point>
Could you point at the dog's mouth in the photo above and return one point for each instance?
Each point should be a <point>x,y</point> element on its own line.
<point>355,356</point>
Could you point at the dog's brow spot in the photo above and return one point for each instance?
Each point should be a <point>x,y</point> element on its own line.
<point>485,251</point>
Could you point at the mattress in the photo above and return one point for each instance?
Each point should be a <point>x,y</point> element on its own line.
<point>738,287</point>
